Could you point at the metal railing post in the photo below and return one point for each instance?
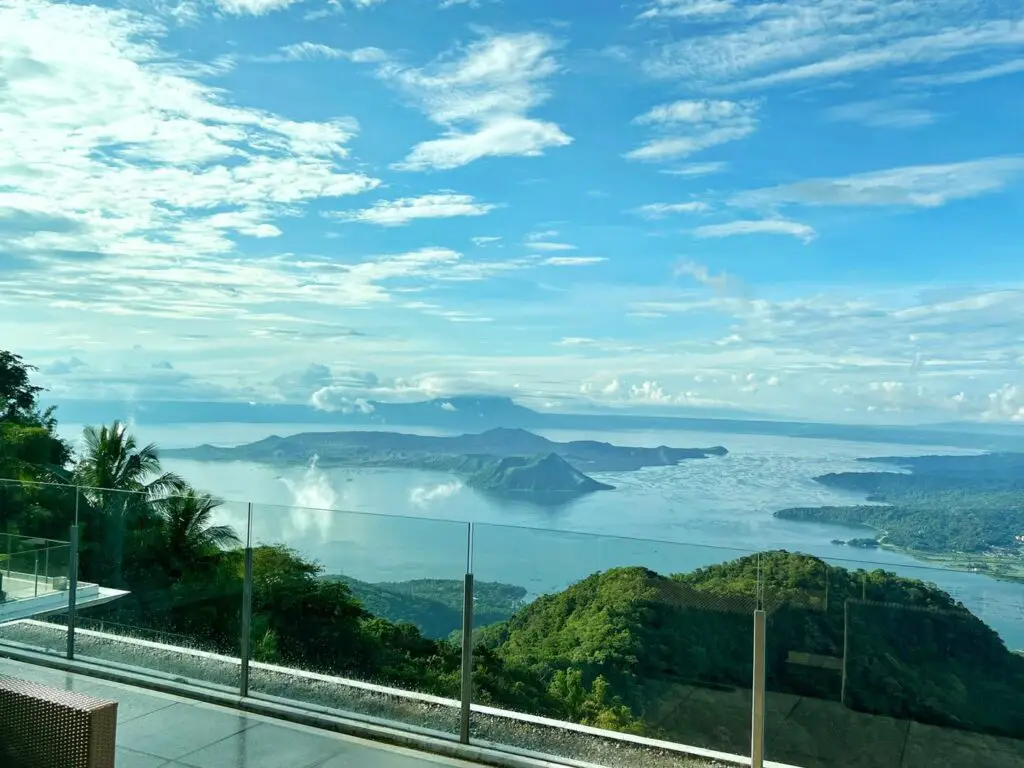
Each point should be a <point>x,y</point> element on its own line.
<point>35,576</point>
<point>467,658</point>
<point>846,648</point>
<point>246,638</point>
<point>757,722</point>
<point>467,642</point>
<point>73,586</point>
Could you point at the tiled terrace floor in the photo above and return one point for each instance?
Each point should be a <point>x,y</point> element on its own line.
<point>156,730</point>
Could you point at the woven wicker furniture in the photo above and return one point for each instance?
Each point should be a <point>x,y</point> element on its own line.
<point>43,727</point>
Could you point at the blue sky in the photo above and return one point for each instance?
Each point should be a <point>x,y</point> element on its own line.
<point>806,209</point>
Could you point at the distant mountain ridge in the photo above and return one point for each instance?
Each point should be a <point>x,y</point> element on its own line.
<point>431,452</point>
<point>468,413</point>
<point>511,462</point>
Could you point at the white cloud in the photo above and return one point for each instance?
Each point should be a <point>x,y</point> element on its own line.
<point>307,51</point>
<point>395,213</point>
<point>761,226</point>
<point>697,169</point>
<point>541,245</point>
<point>333,400</point>
<point>759,44</point>
<point>1005,404</point>
<point>482,97</point>
<point>124,155</point>
<point>574,341</point>
<point>690,10</point>
<point>572,261</point>
<point>687,127</point>
<point>660,210</point>
<point>483,241</point>
<point>923,186</point>
<point>543,241</point>
<point>882,113</point>
<point>722,283</point>
<point>253,7</point>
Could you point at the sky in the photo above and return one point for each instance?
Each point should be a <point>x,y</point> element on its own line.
<point>803,209</point>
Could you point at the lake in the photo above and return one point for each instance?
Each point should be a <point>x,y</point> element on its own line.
<point>389,524</point>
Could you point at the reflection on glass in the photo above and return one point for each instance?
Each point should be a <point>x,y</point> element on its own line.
<point>642,637</point>
<point>341,600</point>
<point>171,575</point>
<point>35,556</point>
<point>884,665</point>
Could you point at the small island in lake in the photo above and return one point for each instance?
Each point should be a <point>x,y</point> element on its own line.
<point>965,512</point>
<point>513,463</point>
<point>539,478</point>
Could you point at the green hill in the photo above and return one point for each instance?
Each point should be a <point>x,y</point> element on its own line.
<point>434,606</point>
<point>548,476</point>
<point>913,652</point>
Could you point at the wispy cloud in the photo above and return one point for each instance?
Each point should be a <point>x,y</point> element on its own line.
<point>697,169</point>
<point>660,210</point>
<point>544,241</point>
<point>758,227</point>
<point>307,51</point>
<point>253,7</point>
<point>882,113</point>
<point>689,10</point>
<point>482,97</point>
<point>922,186</point>
<point>761,44</point>
<point>482,241</point>
<point>396,213</point>
<point>574,341</point>
<point>687,127</point>
<point>572,261</point>
<point>967,76</point>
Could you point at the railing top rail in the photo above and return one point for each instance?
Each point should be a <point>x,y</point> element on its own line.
<point>28,543</point>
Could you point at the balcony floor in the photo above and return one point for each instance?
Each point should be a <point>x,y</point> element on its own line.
<point>156,730</point>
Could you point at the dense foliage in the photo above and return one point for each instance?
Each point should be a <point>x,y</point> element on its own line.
<point>613,651</point>
<point>946,504</point>
<point>434,606</point>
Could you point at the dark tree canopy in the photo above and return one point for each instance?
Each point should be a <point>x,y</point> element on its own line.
<point>17,393</point>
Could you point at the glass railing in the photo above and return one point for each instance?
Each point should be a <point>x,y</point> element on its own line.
<point>32,567</point>
<point>179,569</point>
<point>356,612</point>
<point>615,634</point>
<point>603,649</point>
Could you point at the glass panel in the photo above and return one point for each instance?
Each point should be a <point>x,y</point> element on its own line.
<point>35,520</point>
<point>166,575</point>
<point>889,665</point>
<point>359,598</point>
<point>643,637</point>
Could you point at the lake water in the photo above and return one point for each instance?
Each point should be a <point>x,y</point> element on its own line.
<point>390,524</point>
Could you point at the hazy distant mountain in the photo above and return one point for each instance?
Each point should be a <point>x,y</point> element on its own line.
<point>509,462</point>
<point>465,414</point>
<point>464,453</point>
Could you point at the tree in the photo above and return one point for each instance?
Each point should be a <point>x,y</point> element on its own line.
<point>187,532</point>
<point>29,446</point>
<point>120,482</point>
<point>17,394</point>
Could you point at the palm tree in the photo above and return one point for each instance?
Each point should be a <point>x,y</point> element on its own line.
<point>120,481</point>
<point>187,532</point>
